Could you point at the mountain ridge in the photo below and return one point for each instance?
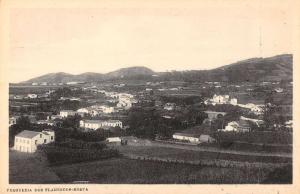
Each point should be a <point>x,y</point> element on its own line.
<point>276,68</point>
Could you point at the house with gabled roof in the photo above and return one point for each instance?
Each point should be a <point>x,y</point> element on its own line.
<point>27,141</point>
<point>195,135</point>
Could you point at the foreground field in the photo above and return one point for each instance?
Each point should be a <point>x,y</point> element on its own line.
<point>197,154</point>
<point>30,168</point>
<point>34,169</point>
<point>126,171</point>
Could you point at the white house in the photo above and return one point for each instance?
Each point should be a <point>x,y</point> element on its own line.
<point>107,109</point>
<point>46,122</point>
<point>256,109</point>
<point>169,106</point>
<point>278,90</point>
<point>258,122</point>
<point>238,126</point>
<point>289,124</point>
<point>96,124</point>
<point>186,137</point>
<point>32,95</point>
<point>220,99</point>
<point>193,138</point>
<point>83,110</point>
<point>66,113</point>
<point>72,83</point>
<point>233,101</point>
<point>114,139</point>
<point>12,121</point>
<point>27,141</point>
<point>53,117</point>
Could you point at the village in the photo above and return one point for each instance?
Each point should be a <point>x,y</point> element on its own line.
<point>123,118</point>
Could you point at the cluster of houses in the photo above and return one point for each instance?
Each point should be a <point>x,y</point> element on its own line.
<point>221,99</point>
<point>31,95</point>
<point>123,100</point>
<point>201,134</point>
<point>96,110</point>
<point>55,84</point>
<point>226,99</point>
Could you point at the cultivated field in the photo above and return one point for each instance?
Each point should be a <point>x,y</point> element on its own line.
<point>126,171</point>
<point>30,168</point>
<point>193,155</point>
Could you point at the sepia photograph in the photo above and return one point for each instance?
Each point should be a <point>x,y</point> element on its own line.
<point>140,92</point>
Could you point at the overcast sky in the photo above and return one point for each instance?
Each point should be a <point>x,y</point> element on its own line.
<point>159,36</point>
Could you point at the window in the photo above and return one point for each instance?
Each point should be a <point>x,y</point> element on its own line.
<point>45,140</point>
<point>35,142</point>
<point>40,135</point>
<point>51,137</point>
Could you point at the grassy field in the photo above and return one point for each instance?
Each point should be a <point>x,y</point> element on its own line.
<point>126,171</point>
<point>30,168</point>
<point>33,168</point>
<point>190,155</point>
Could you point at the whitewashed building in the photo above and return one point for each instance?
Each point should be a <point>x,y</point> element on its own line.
<point>12,121</point>
<point>193,138</point>
<point>170,106</point>
<point>256,109</point>
<point>233,101</point>
<point>186,137</point>
<point>114,139</point>
<point>96,124</point>
<point>83,110</point>
<point>32,95</point>
<point>27,141</point>
<point>238,126</point>
<point>66,113</point>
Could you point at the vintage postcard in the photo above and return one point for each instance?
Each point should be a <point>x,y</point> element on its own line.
<point>149,96</point>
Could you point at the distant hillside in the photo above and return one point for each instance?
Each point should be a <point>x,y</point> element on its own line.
<point>131,71</point>
<point>65,77</point>
<point>275,68</point>
<point>52,78</point>
<point>90,76</point>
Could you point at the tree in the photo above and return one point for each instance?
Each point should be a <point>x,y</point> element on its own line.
<point>71,121</point>
<point>23,123</point>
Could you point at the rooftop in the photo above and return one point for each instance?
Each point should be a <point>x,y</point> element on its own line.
<point>100,121</point>
<point>27,134</point>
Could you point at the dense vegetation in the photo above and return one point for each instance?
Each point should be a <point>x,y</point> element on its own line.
<point>263,137</point>
<point>72,151</point>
